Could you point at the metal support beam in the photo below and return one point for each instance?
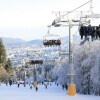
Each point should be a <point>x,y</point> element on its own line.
<point>71,54</point>
<point>35,76</point>
<point>71,86</point>
<point>24,78</point>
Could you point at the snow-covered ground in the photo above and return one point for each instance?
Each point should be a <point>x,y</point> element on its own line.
<point>51,93</point>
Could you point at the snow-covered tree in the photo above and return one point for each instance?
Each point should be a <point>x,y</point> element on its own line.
<point>87,69</point>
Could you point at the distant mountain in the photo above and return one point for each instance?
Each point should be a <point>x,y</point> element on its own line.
<point>35,42</point>
<point>16,42</point>
<point>12,40</point>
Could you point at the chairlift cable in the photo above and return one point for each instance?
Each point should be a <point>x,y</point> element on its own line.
<point>74,10</point>
<point>91,7</point>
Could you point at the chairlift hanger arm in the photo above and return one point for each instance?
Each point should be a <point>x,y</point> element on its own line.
<point>67,25</point>
<point>92,16</point>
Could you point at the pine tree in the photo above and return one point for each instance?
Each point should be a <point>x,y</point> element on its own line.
<point>2,53</point>
<point>8,65</point>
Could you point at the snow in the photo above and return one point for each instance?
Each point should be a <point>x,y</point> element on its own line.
<point>51,93</point>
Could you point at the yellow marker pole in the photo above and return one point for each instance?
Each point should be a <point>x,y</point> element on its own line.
<point>71,86</point>
<point>35,83</point>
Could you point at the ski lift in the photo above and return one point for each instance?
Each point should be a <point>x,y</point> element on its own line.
<point>51,40</point>
<point>33,62</point>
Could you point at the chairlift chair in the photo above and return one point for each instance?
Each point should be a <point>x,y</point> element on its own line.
<point>51,40</point>
<point>93,31</point>
<point>33,62</point>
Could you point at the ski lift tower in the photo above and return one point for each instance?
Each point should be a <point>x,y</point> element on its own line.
<point>70,23</point>
<point>71,74</point>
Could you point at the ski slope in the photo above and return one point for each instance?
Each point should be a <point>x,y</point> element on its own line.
<point>51,93</point>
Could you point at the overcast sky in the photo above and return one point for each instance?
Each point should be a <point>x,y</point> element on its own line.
<point>28,19</point>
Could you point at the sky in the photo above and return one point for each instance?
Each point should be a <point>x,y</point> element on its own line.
<point>28,19</point>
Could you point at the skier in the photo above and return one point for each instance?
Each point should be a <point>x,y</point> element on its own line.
<point>30,87</point>
<point>66,87</point>
<point>42,82</point>
<point>46,86</point>
<point>63,87</point>
<point>10,82</point>
<point>50,84</point>
<point>18,84</point>
<point>36,89</point>
<point>6,83</point>
<point>57,84</point>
